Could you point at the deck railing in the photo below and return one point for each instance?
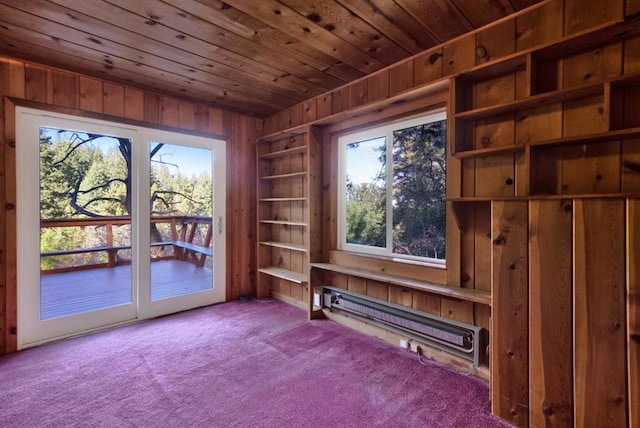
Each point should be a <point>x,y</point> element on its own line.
<point>172,237</point>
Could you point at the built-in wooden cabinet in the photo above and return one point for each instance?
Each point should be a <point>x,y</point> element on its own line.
<point>288,195</point>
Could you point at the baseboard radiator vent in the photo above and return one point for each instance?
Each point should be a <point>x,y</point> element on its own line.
<point>458,338</point>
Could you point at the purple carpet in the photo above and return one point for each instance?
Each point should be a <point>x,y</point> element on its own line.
<point>238,364</point>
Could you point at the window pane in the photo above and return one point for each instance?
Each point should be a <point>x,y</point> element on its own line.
<point>419,189</point>
<point>85,223</point>
<point>366,193</point>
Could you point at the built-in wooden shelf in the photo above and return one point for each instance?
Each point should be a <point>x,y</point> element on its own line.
<point>285,222</point>
<point>286,152</point>
<point>534,101</point>
<point>288,187</point>
<point>476,296</point>
<point>283,199</point>
<point>289,132</point>
<point>281,176</point>
<point>573,140</point>
<point>296,277</point>
<point>285,245</point>
<point>544,197</point>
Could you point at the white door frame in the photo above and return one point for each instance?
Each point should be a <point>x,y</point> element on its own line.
<point>31,330</point>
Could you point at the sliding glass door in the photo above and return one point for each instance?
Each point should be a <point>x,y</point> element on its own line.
<point>186,208</point>
<point>115,223</point>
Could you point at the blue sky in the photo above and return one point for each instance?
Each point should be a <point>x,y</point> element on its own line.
<point>363,163</point>
<point>190,160</point>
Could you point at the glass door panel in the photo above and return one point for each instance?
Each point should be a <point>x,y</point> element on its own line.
<point>181,228</point>
<point>85,222</point>
<point>74,225</point>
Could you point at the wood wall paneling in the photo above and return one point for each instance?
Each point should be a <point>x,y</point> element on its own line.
<point>427,303</point>
<point>38,84</point>
<point>400,77</point>
<point>495,176</point>
<point>496,41</point>
<point>632,54</point>
<point>578,17</point>
<point>550,314</point>
<point>113,99</point>
<point>10,224</point>
<point>599,313</point>
<point>428,67</point>
<point>632,7</point>
<point>4,286</point>
<point>91,95</point>
<point>378,86</point>
<point>633,310</point>
<point>135,104</point>
<point>459,55</point>
<point>591,169</point>
<point>510,315</point>
<point>540,25</point>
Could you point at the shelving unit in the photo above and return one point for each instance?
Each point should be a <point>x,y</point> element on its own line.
<point>529,123</point>
<point>288,181</point>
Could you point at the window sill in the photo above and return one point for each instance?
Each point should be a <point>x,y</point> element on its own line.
<point>419,270</point>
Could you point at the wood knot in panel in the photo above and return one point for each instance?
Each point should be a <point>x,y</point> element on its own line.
<point>481,52</point>
<point>433,58</point>
<point>500,240</point>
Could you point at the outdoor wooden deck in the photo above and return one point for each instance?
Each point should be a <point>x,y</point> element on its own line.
<point>85,290</point>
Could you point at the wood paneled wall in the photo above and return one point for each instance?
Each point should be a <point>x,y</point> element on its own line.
<point>74,93</point>
<point>563,272</point>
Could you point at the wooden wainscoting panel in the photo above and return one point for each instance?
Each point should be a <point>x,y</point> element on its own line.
<point>599,313</point>
<point>550,314</point>
<point>509,293</point>
<point>633,310</point>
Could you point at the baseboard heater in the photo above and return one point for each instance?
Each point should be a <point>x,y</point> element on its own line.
<point>458,338</point>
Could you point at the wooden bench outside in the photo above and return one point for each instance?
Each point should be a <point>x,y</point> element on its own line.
<point>194,253</point>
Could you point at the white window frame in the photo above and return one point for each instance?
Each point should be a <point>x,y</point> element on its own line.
<point>370,134</point>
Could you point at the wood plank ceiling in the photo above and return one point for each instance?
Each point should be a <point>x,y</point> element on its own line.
<point>255,56</point>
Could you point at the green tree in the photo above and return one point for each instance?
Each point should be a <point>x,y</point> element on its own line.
<point>419,189</point>
<point>366,218</point>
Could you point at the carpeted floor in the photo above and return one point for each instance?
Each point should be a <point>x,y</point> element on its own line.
<point>238,364</point>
